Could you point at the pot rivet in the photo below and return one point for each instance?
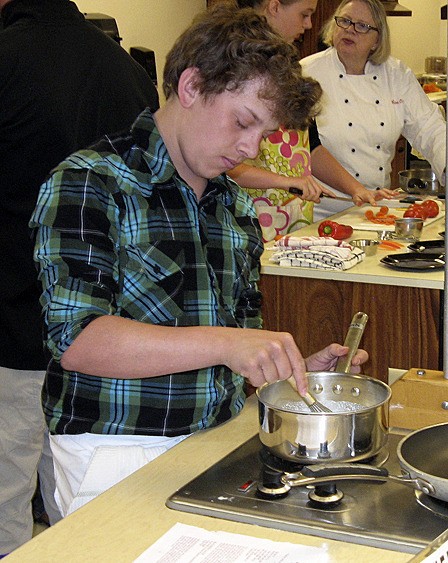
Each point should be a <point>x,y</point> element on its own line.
<point>356,391</point>
<point>421,372</point>
<point>337,389</point>
<point>445,405</point>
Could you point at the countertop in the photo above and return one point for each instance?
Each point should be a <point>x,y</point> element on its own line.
<point>125,520</point>
<point>370,270</point>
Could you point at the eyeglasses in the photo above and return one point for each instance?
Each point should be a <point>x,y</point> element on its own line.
<point>359,27</point>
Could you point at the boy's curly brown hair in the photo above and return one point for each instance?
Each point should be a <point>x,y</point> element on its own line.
<point>230,46</point>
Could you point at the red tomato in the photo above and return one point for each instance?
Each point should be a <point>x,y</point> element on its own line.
<point>431,207</point>
<point>416,210</point>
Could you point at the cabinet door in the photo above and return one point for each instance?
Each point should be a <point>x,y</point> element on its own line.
<point>399,162</point>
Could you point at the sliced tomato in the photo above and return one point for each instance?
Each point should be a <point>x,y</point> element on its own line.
<point>431,207</point>
<point>382,212</point>
<point>417,211</point>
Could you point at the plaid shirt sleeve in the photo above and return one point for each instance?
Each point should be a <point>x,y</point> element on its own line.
<point>78,251</point>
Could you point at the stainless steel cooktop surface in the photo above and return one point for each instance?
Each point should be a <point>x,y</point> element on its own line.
<point>379,514</point>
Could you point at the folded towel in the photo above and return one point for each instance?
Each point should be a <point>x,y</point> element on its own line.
<point>316,252</point>
<point>306,242</point>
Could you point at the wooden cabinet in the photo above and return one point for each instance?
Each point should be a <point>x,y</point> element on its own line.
<point>399,162</point>
<point>403,327</point>
<point>309,43</point>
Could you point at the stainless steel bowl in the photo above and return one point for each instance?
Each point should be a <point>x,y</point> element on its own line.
<point>408,228</point>
<point>369,246</point>
<point>420,181</point>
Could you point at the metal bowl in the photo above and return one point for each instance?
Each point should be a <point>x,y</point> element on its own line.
<point>408,228</point>
<point>420,181</point>
<point>369,246</point>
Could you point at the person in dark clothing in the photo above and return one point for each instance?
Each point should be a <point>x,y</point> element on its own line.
<point>63,84</point>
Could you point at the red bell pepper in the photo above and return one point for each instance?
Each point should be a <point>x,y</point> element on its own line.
<point>334,230</point>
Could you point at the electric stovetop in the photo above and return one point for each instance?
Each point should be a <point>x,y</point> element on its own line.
<point>387,515</point>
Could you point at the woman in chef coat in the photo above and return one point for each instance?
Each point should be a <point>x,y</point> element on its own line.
<point>370,98</point>
<point>287,159</point>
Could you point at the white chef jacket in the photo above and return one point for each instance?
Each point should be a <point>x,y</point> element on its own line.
<point>363,116</point>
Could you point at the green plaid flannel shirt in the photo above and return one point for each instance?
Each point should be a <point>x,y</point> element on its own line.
<point>120,233</point>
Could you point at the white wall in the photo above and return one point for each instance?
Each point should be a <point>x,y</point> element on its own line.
<point>154,24</point>
<point>419,36</point>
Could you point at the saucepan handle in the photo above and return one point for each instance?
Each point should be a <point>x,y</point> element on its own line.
<point>352,340</point>
<point>323,473</point>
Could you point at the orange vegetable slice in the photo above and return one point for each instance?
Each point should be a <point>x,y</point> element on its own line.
<point>390,245</point>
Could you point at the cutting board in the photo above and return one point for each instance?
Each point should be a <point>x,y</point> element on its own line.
<point>355,216</point>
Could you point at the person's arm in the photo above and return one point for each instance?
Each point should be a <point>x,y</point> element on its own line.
<point>424,124</point>
<point>249,176</point>
<point>111,346</point>
<point>121,348</point>
<point>327,169</point>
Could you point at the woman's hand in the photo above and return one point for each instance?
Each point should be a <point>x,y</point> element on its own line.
<point>385,194</point>
<point>311,189</point>
<point>363,195</point>
<point>326,359</point>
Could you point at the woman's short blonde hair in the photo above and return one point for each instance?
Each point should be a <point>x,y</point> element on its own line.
<point>382,51</point>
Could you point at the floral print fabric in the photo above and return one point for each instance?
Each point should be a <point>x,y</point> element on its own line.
<point>285,152</point>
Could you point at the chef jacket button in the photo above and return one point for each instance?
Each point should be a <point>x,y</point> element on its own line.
<point>377,101</point>
<point>381,168</point>
<point>346,101</point>
<point>350,124</point>
<point>357,175</point>
<point>353,150</point>
<point>382,124</point>
<point>375,77</point>
<point>378,147</point>
<point>341,76</point>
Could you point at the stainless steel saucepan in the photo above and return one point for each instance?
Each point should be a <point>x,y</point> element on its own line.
<point>356,428</point>
<point>423,457</point>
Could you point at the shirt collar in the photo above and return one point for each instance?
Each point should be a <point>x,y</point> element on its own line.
<point>147,137</point>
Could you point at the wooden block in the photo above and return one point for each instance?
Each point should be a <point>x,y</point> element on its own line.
<point>419,399</point>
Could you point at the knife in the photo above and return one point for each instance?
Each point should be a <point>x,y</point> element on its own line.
<point>298,191</point>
